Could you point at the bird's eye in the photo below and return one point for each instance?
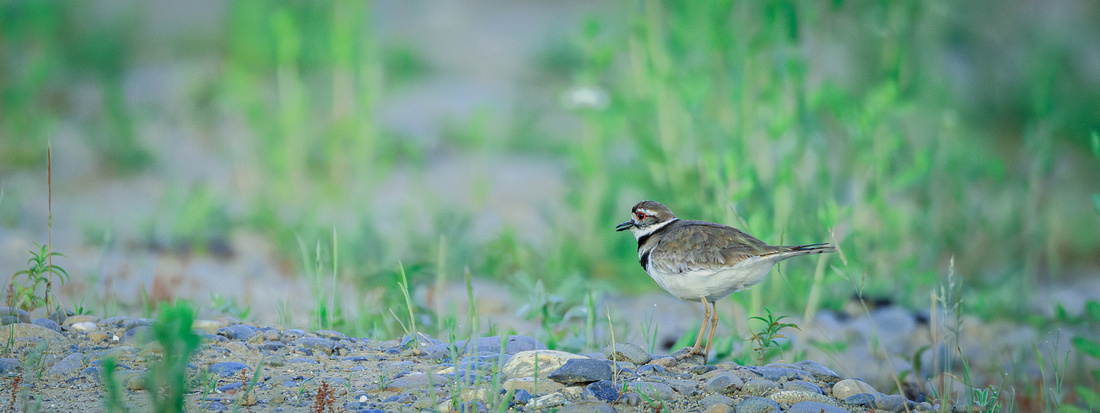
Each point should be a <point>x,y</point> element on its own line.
<point>640,215</point>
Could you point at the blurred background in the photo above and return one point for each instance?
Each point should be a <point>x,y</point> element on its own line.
<point>298,163</point>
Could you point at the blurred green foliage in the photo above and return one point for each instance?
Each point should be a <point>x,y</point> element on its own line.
<point>909,131</point>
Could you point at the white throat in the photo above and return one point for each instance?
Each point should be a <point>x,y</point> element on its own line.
<point>638,233</point>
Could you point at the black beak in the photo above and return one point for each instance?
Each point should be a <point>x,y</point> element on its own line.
<point>624,226</point>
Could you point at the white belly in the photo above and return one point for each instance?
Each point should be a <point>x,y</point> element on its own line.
<point>714,285</point>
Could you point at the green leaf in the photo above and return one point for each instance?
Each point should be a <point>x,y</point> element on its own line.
<point>1096,143</point>
<point>1092,310</point>
<point>1086,346</point>
<point>1096,203</point>
<point>1090,396</point>
<point>1069,408</point>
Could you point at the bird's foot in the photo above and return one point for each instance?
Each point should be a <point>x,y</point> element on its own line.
<point>690,355</point>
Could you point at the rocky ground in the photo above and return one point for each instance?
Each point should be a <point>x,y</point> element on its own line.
<point>59,367</point>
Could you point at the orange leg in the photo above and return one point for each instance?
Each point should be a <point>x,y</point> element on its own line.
<point>703,328</point>
<point>713,326</point>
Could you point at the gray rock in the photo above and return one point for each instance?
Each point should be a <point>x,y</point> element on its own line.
<point>67,366</point>
<point>315,343</point>
<point>861,400</point>
<point>242,332</point>
<point>581,371</point>
<point>12,315</point>
<point>683,356</point>
<point>819,372</point>
<point>803,386</point>
<point>713,399</point>
<point>627,352</point>
<point>892,402</point>
<point>796,396</point>
<point>779,373</point>
<point>587,406</point>
<point>523,364</point>
<point>512,345</point>
<point>651,369</point>
<point>47,323</point>
<point>138,335</point>
<point>759,387</point>
<point>651,390</point>
<point>725,383</point>
<point>331,335</point>
<point>547,401</point>
<point>756,405</point>
<point>228,368</point>
<point>21,330</point>
<point>684,387</point>
<point>522,396</point>
<point>849,387</point>
<point>602,390</point>
<point>815,407</point>
<point>10,367</point>
<point>292,334</point>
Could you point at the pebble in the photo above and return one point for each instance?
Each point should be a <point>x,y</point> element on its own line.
<point>627,352</point>
<point>137,335</point>
<point>759,387</point>
<point>10,367</point>
<point>819,372</point>
<point>11,315</point>
<point>724,383</point>
<point>861,400</point>
<point>803,386</point>
<point>587,406</point>
<point>228,368</point>
<point>796,396</point>
<point>22,330</point>
<point>756,405</point>
<point>522,364</point>
<point>67,366</point>
<point>815,407</point>
<point>849,387</point>
<point>581,370</point>
<point>602,390</point>
<point>651,389</point>
<point>547,401</point>
<point>714,399</point>
<point>47,323</point>
<point>315,343</point>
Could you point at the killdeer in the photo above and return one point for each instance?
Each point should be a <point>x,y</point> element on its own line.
<point>703,261</point>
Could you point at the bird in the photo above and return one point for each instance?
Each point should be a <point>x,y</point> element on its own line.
<point>703,261</point>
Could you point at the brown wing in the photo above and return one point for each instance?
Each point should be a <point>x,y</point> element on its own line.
<point>704,246</point>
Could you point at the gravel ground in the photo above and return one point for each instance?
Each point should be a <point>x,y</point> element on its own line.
<point>353,374</point>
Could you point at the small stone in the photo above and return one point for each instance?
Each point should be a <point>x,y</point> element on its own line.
<point>47,323</point>
<point>85,326</point>
<point>759,387</point>
<point>651,369</point>
<point>137,335</point>
<point>583,370</point>
<point>724,383</point>
<point>67,366</point>
<point>815,407</point>
<point>522,396</point>
<point>631,399</point>
<point>522,364</point>
<point>10,366</point>
<point>314,343</point>
<point>861,400</point>
<point>228,368</point>
<point>206,326</point>
<point>685,356</point>
<point>702,369</point>
<point>891,402</point>
<point>779,373</point>
<point>651,390</point>
<point>547,401</point>
<point>74,319</point>
<point>331,335</point>
<point>664,362</point>
<point>821,373</point>
<point>588,406</point>
<point>756,405</point>
<point>602,390</point>
<point>802,386</point>
<point>849,387</point>
<point>684,387</point>
<point>528,384</point>
<point>626,352</point>
<point>796,396</point>
<point>718,408</point>
<point>19,330</point>
<point>715,399</point>
<point>136,382</point>
<point>242,332</point>
<point>11,315</point>
<point>97,336</point>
